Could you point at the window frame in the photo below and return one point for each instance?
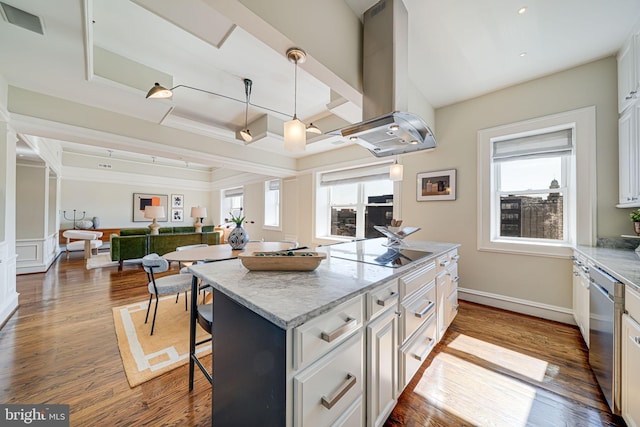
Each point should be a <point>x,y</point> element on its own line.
<point>278,226</point>
<point>223,196</point>
<point>322,199</point>
<point>581,201</point>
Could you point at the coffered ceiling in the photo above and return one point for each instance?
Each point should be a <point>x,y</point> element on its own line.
<point>107,53</point>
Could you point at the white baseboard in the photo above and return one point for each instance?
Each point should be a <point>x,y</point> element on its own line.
<point>532,308</point>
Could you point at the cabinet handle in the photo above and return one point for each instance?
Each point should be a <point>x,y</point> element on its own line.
<point>425,309</point>
<point>636,340</point>
<point>444,263</point>
<point>383,302</point>
<point>425,352</point>
<point>330,402</point>
<point>347,327</point>
<point>455,257</point>
<point>628,97</point>
<point>456,279</point>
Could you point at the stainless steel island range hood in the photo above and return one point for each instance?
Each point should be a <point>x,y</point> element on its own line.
<point>387,128</point>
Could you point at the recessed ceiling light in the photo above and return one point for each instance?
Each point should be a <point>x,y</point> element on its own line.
<point>523,54</point>
<point>522,10</point>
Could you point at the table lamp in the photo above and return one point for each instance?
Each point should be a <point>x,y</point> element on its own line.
<point>154,212</point>
<point>199,213</point>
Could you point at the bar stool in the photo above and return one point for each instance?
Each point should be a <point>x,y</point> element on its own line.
<point>202,314</point>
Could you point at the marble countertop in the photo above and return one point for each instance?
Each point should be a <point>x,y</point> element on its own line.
<point>290,298</point>
<point>623,264</point>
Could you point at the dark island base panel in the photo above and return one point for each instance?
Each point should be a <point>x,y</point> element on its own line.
<point>249,387</point>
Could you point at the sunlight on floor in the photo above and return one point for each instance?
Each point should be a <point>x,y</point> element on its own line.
<point>509,359</point>
<point>475,394</point>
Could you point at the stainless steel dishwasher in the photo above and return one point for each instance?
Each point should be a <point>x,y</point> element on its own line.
<point>606,304</point>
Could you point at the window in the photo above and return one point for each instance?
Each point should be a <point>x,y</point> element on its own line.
<point>231,203</point>
<point>351,201</point>
<point>536,189</point>
<point>272,203</point>
<point>530,186</point>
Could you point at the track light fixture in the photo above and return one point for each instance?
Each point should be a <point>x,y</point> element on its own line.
<point>294,130</point>
<point>245,133</point>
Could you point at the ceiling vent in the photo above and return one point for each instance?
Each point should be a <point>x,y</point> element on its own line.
<point>23,19</point>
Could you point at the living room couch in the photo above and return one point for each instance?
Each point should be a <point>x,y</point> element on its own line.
<point>135,243</point>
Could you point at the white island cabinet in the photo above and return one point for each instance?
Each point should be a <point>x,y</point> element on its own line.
<point>631,359</point>
<point>330,347</point>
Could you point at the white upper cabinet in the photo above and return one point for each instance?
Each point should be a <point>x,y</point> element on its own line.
<point>628,73</point>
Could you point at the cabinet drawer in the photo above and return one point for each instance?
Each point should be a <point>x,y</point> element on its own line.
<point>632,303</point>
<point>324,391</point>
<point>416,310</point>
<point>323,333</point>
<point>416,350</point>
<point>416,279</point>
<point>442,262</point>
<point>382,298</point>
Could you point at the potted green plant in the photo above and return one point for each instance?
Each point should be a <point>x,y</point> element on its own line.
<point>635,217</point>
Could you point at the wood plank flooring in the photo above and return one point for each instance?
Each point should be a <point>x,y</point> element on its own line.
<point>493,368</point>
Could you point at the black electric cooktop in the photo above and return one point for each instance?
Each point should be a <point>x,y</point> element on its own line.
<point>373,251</point>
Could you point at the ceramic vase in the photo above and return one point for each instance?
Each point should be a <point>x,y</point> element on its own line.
<point>238,238</point>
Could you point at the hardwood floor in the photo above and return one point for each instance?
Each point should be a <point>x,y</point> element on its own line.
<point>493,368</point>
<point>499,368</point>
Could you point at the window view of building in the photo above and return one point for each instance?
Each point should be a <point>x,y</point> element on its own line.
<point>356,207</point>
<point>533,216</point>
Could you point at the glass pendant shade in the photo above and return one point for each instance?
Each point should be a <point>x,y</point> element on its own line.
<point>295,135</point>
<point>396,172</point>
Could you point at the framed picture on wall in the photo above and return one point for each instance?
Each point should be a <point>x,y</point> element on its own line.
<point>177,215</point>
<point>177,201</point>
<point>142,200</point>
<point>438,185</point>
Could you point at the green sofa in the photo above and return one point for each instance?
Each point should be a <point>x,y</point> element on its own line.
<point>134,243</point>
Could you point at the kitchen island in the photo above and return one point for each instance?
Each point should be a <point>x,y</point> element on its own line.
<point>279,336</point>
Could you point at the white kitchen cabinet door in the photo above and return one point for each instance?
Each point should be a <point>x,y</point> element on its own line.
<point>626,158</point>
<point>583,304</point>
<point>382,367</point>
<point>627,70</point>
<point>630,371</point>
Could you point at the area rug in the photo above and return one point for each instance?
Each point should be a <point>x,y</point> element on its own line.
<point>144,356</point>
<point>100,260</point>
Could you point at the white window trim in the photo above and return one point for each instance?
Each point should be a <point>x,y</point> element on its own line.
<point>584,123</point>
<point>279,226</point>
<point>320,213</point>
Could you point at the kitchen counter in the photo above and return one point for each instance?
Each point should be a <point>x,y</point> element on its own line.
<point>623,264</point>
<point>290,298</point>
<point>280,334</point>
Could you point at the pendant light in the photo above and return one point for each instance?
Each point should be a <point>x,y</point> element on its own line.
<point>295,132</point>
<point>245,133</point>
<point>396,171</point>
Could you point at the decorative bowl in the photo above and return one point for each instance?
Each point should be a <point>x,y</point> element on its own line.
<point>282,260</point>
